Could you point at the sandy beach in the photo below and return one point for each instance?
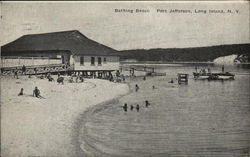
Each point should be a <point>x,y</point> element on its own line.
<point>47,127</point>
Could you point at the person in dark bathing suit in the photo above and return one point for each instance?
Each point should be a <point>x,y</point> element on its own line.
<point>21,92</point>
<point>136,88</point>
<point>36,93</point>
<point>24,69</point>
<point>16,73</point>
<point>137,108</point>
<point>147,103</point>
<point>35,70</point>
<point>131,107</point>
<point>171,81</point>
<point>125,107</point>
<point>153,87</point>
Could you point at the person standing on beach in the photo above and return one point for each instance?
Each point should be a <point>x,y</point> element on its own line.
<point>35,70</point>
<point>125,107</point>
<point>24,69</point>
<point>137,107</point>
<point>222,68</point>
<point>16,73</point>
<point>136,88</point>
<point>81,78</point>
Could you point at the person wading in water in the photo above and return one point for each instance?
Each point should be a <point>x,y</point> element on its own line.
<point>131,107</point>
<point>125,107</point>
<point>136,88</point>
<point>137,108</point>
<point>147,103</point>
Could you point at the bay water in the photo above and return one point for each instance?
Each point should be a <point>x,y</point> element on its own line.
<point>199,119</point>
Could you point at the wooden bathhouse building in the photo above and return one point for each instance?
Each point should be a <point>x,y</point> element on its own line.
<point>59,51</point>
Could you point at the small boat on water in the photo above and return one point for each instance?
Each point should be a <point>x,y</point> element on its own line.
<point>200,76</point>
<point>222,76</point>
<point>214,76</point>
<point>203,75</point>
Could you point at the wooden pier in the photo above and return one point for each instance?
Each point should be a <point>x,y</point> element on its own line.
<point>150,71</point>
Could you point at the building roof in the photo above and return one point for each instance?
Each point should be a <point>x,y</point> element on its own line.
<point>72,41</point>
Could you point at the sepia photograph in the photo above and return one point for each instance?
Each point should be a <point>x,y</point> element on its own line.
<point>125,78</point>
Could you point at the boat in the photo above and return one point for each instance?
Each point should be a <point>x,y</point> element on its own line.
<point>201,76</point>
<point>213,76</point>
<point>222,76</point>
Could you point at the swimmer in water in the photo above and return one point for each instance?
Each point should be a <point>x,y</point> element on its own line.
<point>137,108</point>
<point>125,107</point>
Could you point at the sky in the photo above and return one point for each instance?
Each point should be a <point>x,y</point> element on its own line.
<point>123,30</point>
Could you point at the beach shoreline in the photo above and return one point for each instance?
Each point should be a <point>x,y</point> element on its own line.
<point>81,121</point>
<point>49,127</point>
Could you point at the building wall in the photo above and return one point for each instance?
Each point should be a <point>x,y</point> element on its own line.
<point>28,61</point>
<point>31,58</point>
<point>49,53</point>
<point>112,63</point>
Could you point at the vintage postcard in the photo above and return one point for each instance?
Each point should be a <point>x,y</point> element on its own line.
<point>125,79</point>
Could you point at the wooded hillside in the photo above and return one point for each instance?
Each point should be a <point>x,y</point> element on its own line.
<point>186,54</point>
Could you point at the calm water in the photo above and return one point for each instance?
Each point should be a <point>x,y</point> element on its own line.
<point>202,118</point>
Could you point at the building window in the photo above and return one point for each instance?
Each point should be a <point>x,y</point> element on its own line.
<point>99,61</point>
<point>92,60</point>
<point>104,60</point>
<point>81,60</point>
